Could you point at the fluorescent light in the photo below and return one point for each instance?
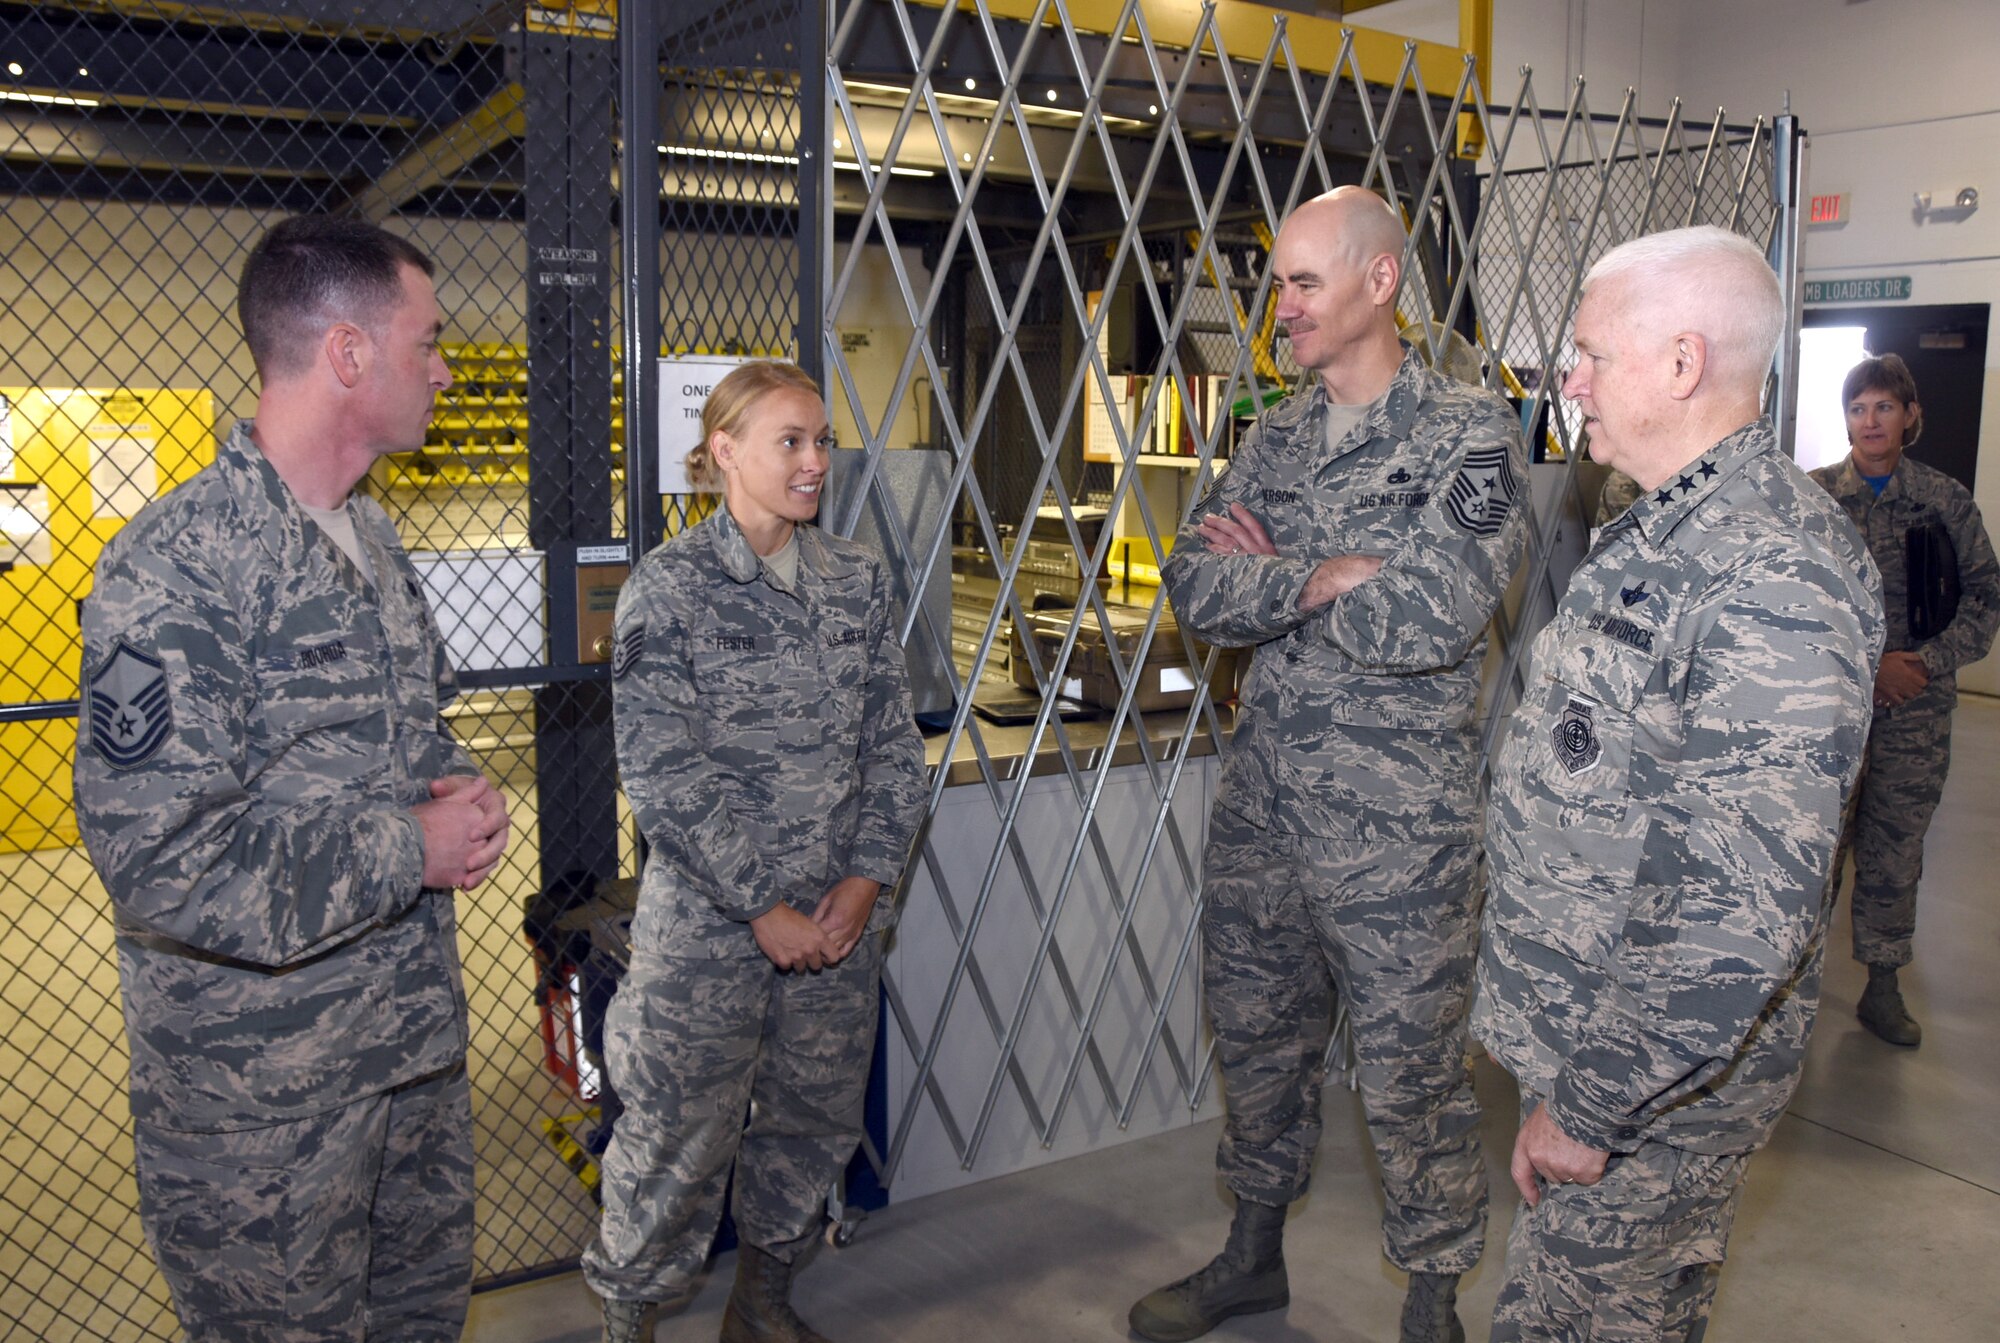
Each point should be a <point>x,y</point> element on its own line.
<point>895,170</point>
<point>737,155</point>
<point>45,99</point>
<point>787,160</point>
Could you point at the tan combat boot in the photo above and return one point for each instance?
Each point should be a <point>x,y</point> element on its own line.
<point>1430,1310</point>
<point>1882,1011</point>
<point>630,1321</point>
<point>760,1304</point>
<point>1246,1278</point>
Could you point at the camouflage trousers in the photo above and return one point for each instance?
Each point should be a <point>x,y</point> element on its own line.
<point>1633,1258</point>
<point>351,1225</point>
<point>1909,751</point>
<point>1288,918</point>
<point>691,1045</point>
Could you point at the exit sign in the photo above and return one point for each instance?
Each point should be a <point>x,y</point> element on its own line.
<point>1873,289</point>
<point>1828,209</point>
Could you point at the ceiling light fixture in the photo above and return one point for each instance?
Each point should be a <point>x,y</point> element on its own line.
<point>46,99</point>
<point>737,155</point>
<point>787,160</point>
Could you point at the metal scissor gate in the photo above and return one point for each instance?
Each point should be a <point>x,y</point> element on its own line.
<point>1013,164</point>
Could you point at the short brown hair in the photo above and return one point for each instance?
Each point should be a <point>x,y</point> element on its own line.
<point>1886,373</point>
<point>723,412</point>
<point>310,271</point>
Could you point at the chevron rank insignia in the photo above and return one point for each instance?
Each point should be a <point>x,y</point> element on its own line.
<point>627,651</point>
<point>129,713</point>
<point>1483,493</point>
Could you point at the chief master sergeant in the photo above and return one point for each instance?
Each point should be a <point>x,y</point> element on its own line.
<point>1665,807</point>
<point>280,815</point>
<point>1359,542</point>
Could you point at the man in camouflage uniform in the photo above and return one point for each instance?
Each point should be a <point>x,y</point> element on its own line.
<point>1359,542</point>
<point>767,746</point>
<point>1665,807</point>
<point>1894,500</point>
<point>280,815</point>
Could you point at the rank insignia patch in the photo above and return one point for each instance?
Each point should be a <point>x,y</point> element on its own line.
<point>1483,493</point>
<point>129,713</point>
<point>627,651</point>
<point>1575,737</point>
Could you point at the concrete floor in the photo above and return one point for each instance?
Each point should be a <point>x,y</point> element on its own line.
<point>1875,1213</point>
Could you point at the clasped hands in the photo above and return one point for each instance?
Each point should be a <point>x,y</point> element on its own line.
<point>1238,532</point>
<point>1900,678</point>
<point>465,830</point>
<point>795,941</point>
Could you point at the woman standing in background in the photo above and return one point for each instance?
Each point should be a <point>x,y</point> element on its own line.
<point>1941,595</point>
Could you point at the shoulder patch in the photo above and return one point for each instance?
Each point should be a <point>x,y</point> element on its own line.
<point>1575,736</point>
<point>1483,494</point>
<point>129,711</point>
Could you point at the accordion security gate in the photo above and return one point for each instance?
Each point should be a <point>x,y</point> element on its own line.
<point>935,214</point>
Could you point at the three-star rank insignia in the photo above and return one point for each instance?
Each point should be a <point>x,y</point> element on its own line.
<point>626,651</point>
<point>129,712</point>
<point>1483,492</point>
<point>1575,736</point>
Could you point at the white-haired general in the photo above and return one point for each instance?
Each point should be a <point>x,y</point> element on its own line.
<point>1665,809</point>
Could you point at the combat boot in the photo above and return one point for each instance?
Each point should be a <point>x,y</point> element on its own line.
<point>630,1321</point>
<point>760,1304</point>
<point>1430,1310</point>
<point>1882,1011</point>
<point>1246,1278</point>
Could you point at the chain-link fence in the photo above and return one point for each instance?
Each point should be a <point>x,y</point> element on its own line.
<point>1030,249</point>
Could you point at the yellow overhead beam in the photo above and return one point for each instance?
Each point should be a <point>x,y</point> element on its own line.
<point>1245,30</point>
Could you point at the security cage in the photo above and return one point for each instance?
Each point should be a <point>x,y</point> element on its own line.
<point>1028,239</point>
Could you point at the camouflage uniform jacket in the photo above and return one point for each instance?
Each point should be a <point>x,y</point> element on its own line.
<point>1353,721</point>
<point>765,737</point>
<point>1915,495</point>
<point>1665,808</point>
<point>258,721</point>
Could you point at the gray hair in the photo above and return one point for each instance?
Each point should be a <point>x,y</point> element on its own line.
<point>1707,280</point>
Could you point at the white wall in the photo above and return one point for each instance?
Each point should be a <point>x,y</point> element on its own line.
<point>1897,95</point>
<point>1610,44</point>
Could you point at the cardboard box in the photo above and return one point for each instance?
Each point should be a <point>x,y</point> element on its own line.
<point>1166,681</point>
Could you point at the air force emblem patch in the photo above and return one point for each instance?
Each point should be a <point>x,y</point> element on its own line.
<point>129,714</point>
<point>1483,493</point>
<point>1575,737</point>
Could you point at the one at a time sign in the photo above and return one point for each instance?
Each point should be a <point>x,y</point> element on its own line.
<point>685,382</point>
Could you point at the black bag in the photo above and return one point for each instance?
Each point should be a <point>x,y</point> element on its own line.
<point>1932,565</point>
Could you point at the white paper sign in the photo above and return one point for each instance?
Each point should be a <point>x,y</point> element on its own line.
<point>685,383</point>
<point>123,479</point>
<point>24,525</point>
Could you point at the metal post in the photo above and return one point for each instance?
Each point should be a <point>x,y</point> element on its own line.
<point>1788,161</point>
<point>570,80</point>
<point>639,244</point>
<point>815,228</point>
